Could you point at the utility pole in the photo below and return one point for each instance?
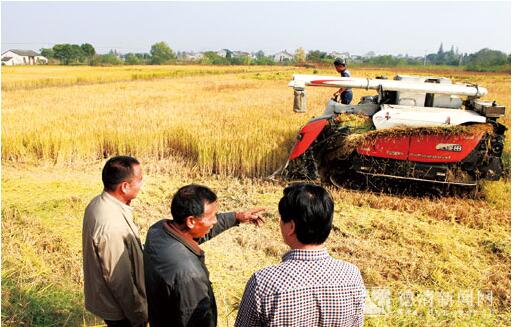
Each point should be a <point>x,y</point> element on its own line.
<point>425,57</point>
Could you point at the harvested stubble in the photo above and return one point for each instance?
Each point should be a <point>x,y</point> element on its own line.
<point>402,243</point>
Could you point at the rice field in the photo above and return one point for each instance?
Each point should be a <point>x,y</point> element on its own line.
<point>239,123</point>
<point>226,127</point>
<point>26,77</point>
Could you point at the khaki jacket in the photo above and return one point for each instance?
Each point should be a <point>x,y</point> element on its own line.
<point>113,262</point>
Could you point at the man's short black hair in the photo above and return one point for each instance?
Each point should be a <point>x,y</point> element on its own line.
<point>311,209</point>
<point>339,62</point>
<point>190,200</point>
<point>117,170</point>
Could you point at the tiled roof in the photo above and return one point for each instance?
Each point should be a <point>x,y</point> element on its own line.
<point>28,53</point>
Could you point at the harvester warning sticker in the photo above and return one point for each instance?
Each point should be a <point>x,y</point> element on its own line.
<point>449,147</point>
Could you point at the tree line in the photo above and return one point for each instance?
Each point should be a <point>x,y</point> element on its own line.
<point>74,54</point>
<point>161,53</point>
<point>482,60</point>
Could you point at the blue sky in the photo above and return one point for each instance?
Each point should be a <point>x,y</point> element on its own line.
<point>357,27</point>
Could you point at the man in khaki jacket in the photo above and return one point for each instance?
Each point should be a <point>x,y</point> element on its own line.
<point>113,260</point>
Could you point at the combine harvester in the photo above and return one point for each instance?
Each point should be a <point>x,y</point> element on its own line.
<point>416,128</point>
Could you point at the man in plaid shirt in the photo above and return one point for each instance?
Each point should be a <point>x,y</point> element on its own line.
<point>309,287</point>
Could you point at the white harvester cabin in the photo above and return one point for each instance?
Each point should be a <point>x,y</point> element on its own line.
<point>22,57</point>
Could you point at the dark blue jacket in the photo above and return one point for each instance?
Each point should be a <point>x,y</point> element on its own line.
<point>346,73</point>
<point>178,287</point>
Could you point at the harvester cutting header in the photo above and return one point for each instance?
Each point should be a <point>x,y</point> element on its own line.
<point>416,128</point>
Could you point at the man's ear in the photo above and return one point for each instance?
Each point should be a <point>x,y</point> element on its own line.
<point>291,228</point>
<point>123,187</point>
<point>190,222</point>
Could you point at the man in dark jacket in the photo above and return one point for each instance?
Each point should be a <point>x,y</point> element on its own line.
<point>178,288</point>
<point>345,93</point>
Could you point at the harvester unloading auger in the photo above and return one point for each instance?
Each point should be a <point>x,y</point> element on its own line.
<point>416,128</point>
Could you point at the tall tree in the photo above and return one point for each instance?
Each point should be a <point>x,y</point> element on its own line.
<point>160,53</point>
<point>487,57</point>
<point>47,52</point>
<point>212,58</point>
<point>63,53</point>
<point>316,55</point>
<point>132,59</point>
<point>260,54</point>
<point>88,51</point>
<point>441,49</point>
<point>299,55</point>
<point>77,54</point>
<point>68,53</point>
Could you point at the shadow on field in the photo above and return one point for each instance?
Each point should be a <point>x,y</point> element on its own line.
<point>391,186</point>
<point>345,179</point>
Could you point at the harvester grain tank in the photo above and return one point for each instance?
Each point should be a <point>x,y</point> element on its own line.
<point>415,128</point>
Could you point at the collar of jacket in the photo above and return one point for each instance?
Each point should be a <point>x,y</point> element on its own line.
<point>182,238</point>
<point>128,214</point>
<point>122,205</point>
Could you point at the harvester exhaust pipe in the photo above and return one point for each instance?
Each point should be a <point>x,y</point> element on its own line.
<point>299,99</point>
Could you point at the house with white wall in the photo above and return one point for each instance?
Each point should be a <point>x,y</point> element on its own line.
<point>342,55</point>
<point>22,57</point>
<point>191,56</point>
<point>237,54</point>
<point>283,56</point>
<point>224,53</point>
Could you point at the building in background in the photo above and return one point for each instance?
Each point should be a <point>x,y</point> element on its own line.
<point>22,57</point>
<point>224,53</point>
<point>342,55</point>
<point>282,56</point>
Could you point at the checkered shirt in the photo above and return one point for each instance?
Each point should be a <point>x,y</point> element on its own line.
<point>309,288</point>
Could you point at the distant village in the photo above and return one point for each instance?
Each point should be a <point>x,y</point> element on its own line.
<point>281,56</point>
<point>160,53</point>
<point>30,57</point>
